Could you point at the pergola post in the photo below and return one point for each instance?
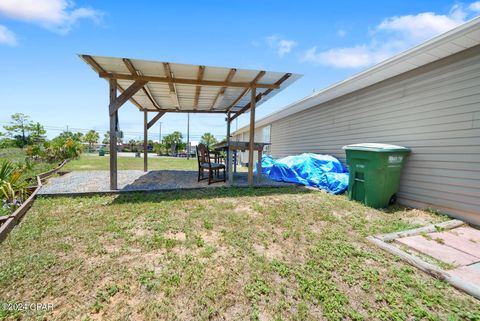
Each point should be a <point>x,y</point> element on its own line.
<point>229,152</point>
<point>113,136</point>
<point>251,136</point>
<point>145,141</point>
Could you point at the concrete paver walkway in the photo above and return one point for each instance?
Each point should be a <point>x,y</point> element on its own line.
<point>459,247</point>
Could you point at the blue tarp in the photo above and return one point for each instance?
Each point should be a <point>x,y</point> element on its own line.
<point>321,171</point>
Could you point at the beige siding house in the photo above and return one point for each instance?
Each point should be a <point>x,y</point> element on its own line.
<point>427,99</point>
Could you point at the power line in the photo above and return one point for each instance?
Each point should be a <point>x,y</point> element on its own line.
<point>130,134</point>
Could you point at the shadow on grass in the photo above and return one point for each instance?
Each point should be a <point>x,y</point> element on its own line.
<point>206,193</point>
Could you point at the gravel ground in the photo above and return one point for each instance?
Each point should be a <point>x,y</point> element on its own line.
<point>136,180</point>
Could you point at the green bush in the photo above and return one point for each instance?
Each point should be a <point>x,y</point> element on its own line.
<point>13,190</point>
<point>37,151</point>
<point>62,148</point>
<point>7,143</point>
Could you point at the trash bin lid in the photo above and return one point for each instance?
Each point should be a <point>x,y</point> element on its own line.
<point>375,147</point>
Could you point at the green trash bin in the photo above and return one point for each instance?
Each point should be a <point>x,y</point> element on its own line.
<point>101,152</point>
<point>375,172</point>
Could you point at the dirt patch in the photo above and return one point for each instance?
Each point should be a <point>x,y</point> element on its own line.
<point>212,237</point>
<point>418,217</point>
<point>243,209</point>
<point>136,259</point>
<point>317,227</point>
<point>178,236</point>
<point>271,251</point>
<point>141,232</point>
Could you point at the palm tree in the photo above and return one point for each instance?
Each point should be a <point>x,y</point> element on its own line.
<point>132,144</point>
<point>208,140</point>
<point>91,138</point>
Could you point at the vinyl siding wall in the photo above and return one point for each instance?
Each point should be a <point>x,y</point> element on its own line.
<point>434,110</point>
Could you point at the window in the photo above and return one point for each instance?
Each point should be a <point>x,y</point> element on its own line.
<point>266,134</point>
<point>266,138</point>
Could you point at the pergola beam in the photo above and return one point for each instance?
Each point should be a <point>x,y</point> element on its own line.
<point>260,96</point>
<point>222,90</point>
<point>145,89</point>
<point>132,100</point>
<point>244,92</point>
<point>171,85</point>
<point>184,81</point>
<point>206,111</point>
<point>200,73</point>
<point>155,119</point>
<point>126,95</point>
<point>92,62</point>
<point>95,65</point>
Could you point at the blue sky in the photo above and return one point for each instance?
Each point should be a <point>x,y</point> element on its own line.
<point>325,41</point>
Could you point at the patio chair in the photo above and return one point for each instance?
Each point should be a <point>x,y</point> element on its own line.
<point>210,161</point>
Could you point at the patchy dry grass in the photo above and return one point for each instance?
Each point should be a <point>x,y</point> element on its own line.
<point>221,254</point>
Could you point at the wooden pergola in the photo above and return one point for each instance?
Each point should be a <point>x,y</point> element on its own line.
<point>162,87</point>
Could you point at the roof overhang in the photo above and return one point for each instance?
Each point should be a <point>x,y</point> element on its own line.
<point>458,39</point>
<point>172,87</point>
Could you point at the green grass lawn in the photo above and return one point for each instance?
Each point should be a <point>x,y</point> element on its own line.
<point>220,254</point>
<point>95,162</point>
<point>17,156</point>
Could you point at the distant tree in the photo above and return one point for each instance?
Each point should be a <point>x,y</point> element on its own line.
<point>173,141</point>
<point>106,138</point>
<point>77,137</point>
<point>6,142</point>
<point>160,148</point>
<point>132,143</point>
<point>91,137</point>
<point>37,133</point>
<point>19,128</point>
<point>208,140</point>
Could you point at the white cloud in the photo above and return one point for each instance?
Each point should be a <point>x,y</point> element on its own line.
<point>421,26</point>
<point>282,46</point>
<point>285,46</point>
<point>55,15</point>
<point>7,37</point>
<point>342,57</point>
<point>475,6</point>
<point>392,35</point>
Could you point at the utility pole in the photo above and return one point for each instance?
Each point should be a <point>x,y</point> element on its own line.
<point>188,135</point>
<point>160,133</point>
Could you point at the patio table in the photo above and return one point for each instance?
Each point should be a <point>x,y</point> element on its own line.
<point>235,146</point>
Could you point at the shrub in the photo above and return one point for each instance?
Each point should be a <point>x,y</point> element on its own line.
<point>12,189</point>
<point>62,148</point>
<point>36,152</point>
<point>7,142</point>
